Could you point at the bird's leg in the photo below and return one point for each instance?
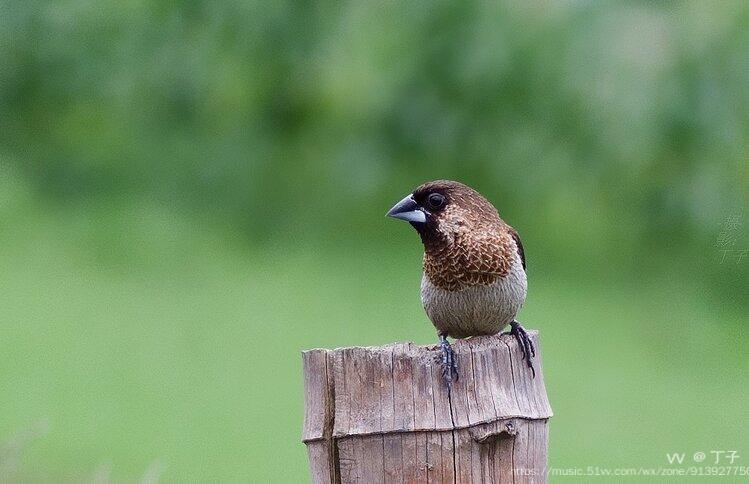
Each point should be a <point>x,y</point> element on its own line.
<point>449,365</point>
<point>525,343</point>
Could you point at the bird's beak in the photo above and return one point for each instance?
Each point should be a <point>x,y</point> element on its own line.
<point>407,209</point>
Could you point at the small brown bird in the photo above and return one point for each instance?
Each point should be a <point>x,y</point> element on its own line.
<point>474,279</point>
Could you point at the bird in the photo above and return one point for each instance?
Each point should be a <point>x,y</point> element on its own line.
<point>474,280</point>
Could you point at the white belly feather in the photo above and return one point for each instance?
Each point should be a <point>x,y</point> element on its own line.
<point>474,310</point>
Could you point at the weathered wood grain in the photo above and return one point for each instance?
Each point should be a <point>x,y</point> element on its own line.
<point>384,414</point>
<point>318,415</point>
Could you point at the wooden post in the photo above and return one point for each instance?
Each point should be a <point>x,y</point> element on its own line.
<point>384,414</point>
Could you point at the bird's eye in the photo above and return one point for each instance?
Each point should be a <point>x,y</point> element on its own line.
<point>436,200</point>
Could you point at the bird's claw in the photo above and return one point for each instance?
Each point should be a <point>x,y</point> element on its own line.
<point>447,357</point>
<point>525,343</point>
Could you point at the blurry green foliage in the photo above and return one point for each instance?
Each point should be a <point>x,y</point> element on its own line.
<point>295,115</point>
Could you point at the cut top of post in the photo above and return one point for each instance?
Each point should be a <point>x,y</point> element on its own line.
<point>400,388</point>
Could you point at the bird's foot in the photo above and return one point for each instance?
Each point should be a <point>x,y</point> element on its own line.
<point>449,365</point>
<point>525,343</point>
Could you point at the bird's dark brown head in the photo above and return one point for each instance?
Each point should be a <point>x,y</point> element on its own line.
<point>442,210</point>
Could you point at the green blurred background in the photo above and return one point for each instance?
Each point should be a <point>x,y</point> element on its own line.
<point>193,192</point>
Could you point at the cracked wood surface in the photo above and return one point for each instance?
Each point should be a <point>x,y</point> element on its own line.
<point>384,414</point>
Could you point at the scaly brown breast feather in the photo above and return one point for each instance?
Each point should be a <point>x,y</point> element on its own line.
<point>471,259</point>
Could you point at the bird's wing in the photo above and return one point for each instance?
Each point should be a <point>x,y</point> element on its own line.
<point>516,238</point>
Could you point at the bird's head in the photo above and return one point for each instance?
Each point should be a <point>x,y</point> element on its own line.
<point>441,210</point>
